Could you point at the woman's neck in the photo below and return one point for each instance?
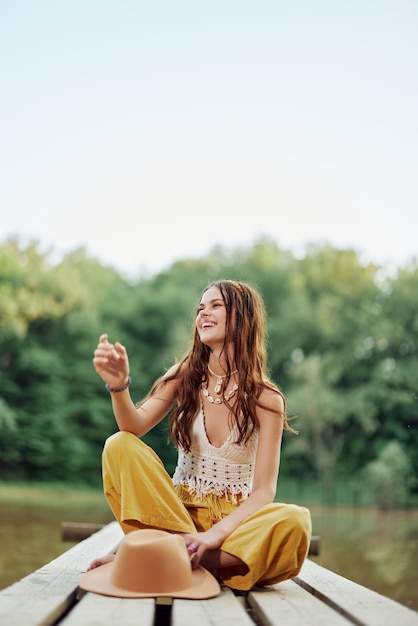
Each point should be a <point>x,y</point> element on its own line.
<point>218,362</point>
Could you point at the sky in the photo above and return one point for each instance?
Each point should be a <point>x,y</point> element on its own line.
<point>148,132</point>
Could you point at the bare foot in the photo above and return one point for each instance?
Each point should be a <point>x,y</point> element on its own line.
<point>101,561</point>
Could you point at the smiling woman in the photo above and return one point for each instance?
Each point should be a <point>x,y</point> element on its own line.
<point>226,419</point>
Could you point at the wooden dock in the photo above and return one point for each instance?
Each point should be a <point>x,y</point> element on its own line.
<point>316,597</point>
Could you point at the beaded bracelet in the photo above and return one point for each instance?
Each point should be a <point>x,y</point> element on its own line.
<point>112,390</point>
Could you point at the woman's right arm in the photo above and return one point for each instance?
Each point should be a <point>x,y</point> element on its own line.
<point>112,364</point>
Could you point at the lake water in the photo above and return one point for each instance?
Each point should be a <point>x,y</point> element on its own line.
<point>378,550</point>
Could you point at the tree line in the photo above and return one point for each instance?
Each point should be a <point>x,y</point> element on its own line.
<point>342,341</point>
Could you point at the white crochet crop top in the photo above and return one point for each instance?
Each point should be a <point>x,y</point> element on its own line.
<point>226,471</point>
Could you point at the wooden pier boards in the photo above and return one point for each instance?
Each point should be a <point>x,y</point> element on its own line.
<point>317,597</point>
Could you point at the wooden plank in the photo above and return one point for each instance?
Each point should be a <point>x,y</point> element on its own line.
<point>97,610</point>
<point>315,545</point>
<point>315,597</point>
<point>363,606</point>
<point>226,610</point>
<point>42,597</point>
<point>77,531</point>
<point>287,603</point>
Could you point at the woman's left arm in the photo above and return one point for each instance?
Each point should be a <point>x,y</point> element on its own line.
<point>271,419</point>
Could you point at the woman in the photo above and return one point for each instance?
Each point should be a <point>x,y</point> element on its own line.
<point>227,420</point>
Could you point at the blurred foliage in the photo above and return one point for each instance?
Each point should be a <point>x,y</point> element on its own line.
<point>390,476</point>
<point>342,345</point>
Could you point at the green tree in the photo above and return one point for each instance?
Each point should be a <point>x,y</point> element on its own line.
<point>390,476</point>
<point>342,346</point>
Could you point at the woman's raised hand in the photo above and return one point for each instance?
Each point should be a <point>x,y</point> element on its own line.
<point>111,362</point>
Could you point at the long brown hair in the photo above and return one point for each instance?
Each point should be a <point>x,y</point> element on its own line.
<point>246,330</point>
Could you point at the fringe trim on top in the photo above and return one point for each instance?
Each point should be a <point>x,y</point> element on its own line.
<point>201,487</point>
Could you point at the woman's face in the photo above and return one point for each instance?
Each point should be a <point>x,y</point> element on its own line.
<point>211,318</point>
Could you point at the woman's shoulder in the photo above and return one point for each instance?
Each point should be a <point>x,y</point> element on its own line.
<point>169,382</point>
<point>175,371</point>
<point>272,399</point>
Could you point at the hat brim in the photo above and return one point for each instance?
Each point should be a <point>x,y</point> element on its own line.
<point>203,586</point>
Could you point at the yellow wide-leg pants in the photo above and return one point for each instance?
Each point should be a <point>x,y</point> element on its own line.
<point>273,542</point>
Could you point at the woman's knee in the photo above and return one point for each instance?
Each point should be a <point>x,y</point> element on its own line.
<point>120,441</point>
<point>297,518</point>
<point>124,448</point>
<point>117,439</point>
<point>300,517</point>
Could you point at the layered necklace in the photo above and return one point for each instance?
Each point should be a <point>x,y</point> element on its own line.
<point>218,388</point>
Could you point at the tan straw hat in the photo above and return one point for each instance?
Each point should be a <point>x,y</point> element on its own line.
<point>151,563</point>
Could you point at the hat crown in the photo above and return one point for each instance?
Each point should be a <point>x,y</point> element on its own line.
<point>151,563</point>
<point>152,560</point>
